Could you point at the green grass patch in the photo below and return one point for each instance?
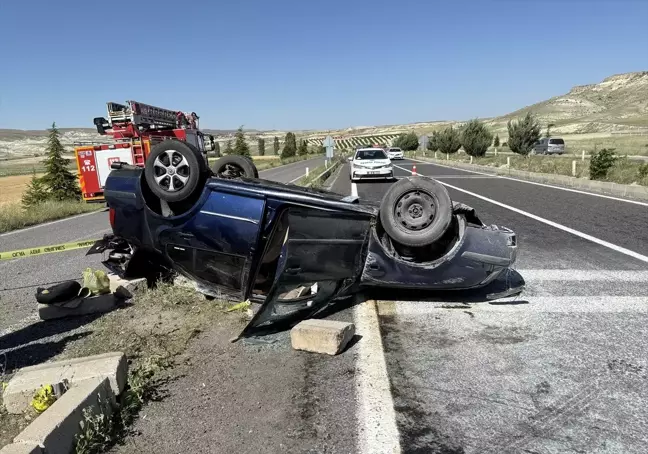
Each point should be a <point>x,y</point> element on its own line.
<point>13,216</point>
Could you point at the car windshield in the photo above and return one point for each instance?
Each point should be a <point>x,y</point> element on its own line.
<point>370,154</point>
<point>394,150</point>
<point>556,141</point>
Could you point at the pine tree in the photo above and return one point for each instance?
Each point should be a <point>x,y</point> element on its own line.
<point>228,147</point>
<point>261,147</point>
<point>476,138</point>
<point>60,182</point>
<point>523,134</point>
<point>276,145</point>
<point>240,145</point>
<point>36,192</point>
<point>449,141</point>
<point>290,146</point>
<point>433,142</point>
<point>303,148</point>
<point>496,142</point>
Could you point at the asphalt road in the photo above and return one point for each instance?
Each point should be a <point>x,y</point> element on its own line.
<point>561,368</point>
<point>19,278</point>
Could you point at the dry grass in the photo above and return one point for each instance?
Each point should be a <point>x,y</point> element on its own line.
<point>12,188</point>
<point>13,216</point>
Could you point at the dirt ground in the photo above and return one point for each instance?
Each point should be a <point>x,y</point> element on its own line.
<point>11,188</point>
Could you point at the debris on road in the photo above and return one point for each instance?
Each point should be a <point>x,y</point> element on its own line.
<point>322,336</point>
<point>98,304</point>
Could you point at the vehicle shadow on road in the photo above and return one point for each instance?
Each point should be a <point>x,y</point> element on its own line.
<point>44,329</point>
<point>36,353</point>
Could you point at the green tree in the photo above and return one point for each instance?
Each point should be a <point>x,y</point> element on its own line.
<point>303,148</point>
<point>35,193</point>
<point>407,141</point>
<point>60,182</point>
<point>276,145</point>
<point>217,149</point>
<point>290,146</point>
<point>228,147</point>
<point>449,140</point>
<point>475,138</point>
<point>261,147</point>
<point>240,145</point>
<point>433,141</point>
<point>496,142</point>
<point>523,134</point>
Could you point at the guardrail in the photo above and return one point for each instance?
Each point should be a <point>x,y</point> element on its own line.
<point>324,175</point>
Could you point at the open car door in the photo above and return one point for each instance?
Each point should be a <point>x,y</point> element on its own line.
<point>321,259</point>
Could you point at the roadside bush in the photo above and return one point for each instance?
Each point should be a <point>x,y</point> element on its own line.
<point>449,140</point>
<point>496,142</point>
<point>476,138</point>
<point>523,134</point>
<point>407,141</point>
<point>601,162</point>
<point>35,194</point>
<point>228,147</point>
<point>643,170</point>
<point>275,145</point>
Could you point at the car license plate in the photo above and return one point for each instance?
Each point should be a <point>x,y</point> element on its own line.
<point>373,172</point>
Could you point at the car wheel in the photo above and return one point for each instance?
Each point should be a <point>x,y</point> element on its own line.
<point>173,170</point>
<point>235,166</point>
<point>416,211</point>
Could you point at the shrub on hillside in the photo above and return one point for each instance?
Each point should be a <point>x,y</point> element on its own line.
<point>601,163</point>
<point>523,134</point>
<point>407,141</point>
<point>449,140</point>
<point>496,142</point>
<point>475,138</point>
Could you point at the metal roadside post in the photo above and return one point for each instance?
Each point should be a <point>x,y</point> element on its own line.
<point>329,143</point>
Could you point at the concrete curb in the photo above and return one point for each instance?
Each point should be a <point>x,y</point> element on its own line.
<point>602,187</point>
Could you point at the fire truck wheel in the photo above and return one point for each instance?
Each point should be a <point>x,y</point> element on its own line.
<point>174,170</point>
<point>234,166</point>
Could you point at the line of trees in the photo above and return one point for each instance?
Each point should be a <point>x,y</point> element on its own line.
<point>475,137</point>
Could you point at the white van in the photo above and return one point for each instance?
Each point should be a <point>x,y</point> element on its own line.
<point>551,145</point>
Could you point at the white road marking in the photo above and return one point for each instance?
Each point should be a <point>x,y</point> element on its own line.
<point>541,304</point>
<point>52,222</point>
<point>377,430</point>
<point>578,233</point>
<point>636,202</point>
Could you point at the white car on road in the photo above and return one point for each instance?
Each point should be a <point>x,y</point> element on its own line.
<point>370,163</point>
<point>395,153</point>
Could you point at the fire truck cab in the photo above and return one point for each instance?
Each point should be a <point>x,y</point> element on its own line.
<point>135,128</point>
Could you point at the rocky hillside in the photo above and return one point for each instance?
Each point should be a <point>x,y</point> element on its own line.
<point>618,104</point>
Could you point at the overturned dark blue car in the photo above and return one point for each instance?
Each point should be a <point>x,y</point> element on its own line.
<point>292,249</point>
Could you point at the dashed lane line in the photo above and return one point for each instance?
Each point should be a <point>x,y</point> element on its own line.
<point>578,233</point>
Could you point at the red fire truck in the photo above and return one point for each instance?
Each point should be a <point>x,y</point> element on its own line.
<point>135,127</point>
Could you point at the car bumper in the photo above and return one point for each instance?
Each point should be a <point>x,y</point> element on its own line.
<point>357,174</point>
<point>397,157</point>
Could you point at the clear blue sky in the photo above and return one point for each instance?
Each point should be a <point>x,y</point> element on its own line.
<point>296,64</point>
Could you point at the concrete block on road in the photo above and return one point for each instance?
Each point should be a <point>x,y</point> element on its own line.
<point>21,388</point>
<point>132,285</point>
<point>321,336</point>
<point>21,448</point>
<point>92,305</point>
<point>56,428</point>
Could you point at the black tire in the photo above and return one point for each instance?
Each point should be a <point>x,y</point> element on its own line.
<point>174,170</point>
<point>235,166</point>
<point>416,211</point>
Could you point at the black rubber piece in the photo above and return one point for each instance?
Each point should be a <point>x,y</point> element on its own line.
<point>58,293</point>
<point>416,211</point>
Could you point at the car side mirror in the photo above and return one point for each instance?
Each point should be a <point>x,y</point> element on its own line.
<point>350,158</point>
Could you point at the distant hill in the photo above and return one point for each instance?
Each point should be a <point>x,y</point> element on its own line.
<point>618,104</point>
